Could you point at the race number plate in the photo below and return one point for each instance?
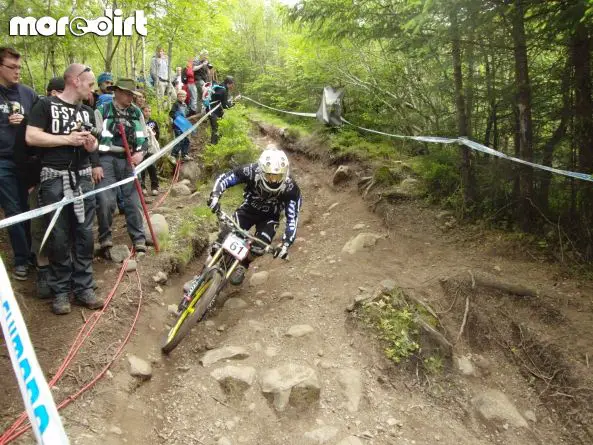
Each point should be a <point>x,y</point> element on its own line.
<point>236,247</point>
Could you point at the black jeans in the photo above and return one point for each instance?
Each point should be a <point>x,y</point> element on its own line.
<point>13,200</point>
<point>154,179</point>
<point>214,129</point>
<point>70,244</point>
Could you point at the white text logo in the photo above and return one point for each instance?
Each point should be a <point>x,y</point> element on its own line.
<point>111,23</point>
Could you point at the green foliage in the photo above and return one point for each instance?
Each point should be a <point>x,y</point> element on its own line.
<point>397,328</point>
<point>440,171</point>
<point>235,147</point>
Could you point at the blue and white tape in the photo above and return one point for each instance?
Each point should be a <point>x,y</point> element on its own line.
<point>441,140</point>
<point>137,170</point>
<point>39,403</point>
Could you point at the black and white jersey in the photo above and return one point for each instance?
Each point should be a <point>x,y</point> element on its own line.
<point>258,200</point>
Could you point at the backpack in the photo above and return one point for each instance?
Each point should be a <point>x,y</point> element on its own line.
<point>208,91</point>
<point>103,99</point>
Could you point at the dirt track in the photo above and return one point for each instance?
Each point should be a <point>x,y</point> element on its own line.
<point>183,404</point>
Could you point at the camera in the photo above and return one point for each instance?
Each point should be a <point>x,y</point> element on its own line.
<point>84,126</point>
<point>209,65</point>
<point>15,108</point>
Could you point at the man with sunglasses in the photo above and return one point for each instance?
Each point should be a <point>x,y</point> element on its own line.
<point>104,95</point>
<point>16,101</point>
<point>58,127</point>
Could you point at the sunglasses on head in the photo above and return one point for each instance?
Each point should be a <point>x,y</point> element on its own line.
<point>85,70</point>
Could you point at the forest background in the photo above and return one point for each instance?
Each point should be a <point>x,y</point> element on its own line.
<point>514,75</point>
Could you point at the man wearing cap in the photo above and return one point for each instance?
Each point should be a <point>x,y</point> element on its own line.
<point>58,127</point>
<point>105,80</point>
<point>114,164</point>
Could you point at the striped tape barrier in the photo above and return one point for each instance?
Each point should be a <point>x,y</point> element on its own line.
<point>442,140</point>
<point>39,403</point>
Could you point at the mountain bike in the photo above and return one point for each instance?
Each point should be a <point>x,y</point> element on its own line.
<point>202,292</point>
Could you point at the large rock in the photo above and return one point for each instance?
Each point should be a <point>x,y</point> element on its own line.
<point>259,278</point>
<point>215,355</point>
<point>180,190</point>
<point>140,368</point>
<point>351,383</point>
<point>290,384</point>
<point>159,225</point>
<point>235,303</point>
<point>410,188</point>
<point>190,171</point>
<point>235,380</point>
<point>119,253</point>
<point>350,440</point>
<point>359,242</point>
<point>322,435</point>
<point>342,173</point>
<point>299,330</point>
<point>494,407</point>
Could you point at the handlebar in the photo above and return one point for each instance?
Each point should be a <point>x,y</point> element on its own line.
<point>224,218</point>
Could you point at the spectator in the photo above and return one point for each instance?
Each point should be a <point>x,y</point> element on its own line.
<point>105,80</point>
<point>159,73</point>
<point>219,94</point>
<point>179,108</point>
<point>201,68</point>
<point>177,80</point>
<point>114,164</point>
<point>139,98</point>
<point>16,102</point>
<point>191,89</point>
<point>54,127</point>
<point>153,147</point>
<point>38,225</point>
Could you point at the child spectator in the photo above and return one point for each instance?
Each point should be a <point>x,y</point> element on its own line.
<point>179,108</point>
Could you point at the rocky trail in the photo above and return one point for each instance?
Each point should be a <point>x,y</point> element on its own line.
<point>283,361</point>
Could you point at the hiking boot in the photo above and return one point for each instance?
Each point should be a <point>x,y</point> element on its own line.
<point>155,192</point>
<point>43,290</point>
<point>186,158</point>
<point>89,300</point>
<point>140,247</point>
<point>107,244</point>
<point>145,192</point>
<point>238,275</point>
<point>21,273</point>
<point>61,304</point>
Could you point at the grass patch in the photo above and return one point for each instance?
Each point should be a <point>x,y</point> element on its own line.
<point>297,128</point>
<point>235,146</point>
<point>398,321</point>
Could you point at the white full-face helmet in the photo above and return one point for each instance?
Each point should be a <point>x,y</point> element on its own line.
<point>273,170</point>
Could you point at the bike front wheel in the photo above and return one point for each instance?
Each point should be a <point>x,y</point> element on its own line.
<point>195,311</point>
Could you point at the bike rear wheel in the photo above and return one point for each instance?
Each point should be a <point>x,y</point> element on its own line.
<point>195,311</point>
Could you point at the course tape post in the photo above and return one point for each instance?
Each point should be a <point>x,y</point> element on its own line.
<point>36,394</point>
<point>139,168</point>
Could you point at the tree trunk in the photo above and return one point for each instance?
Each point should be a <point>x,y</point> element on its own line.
<point>525,137</point>
<point>557,136</point>
<point>581,46</point>
<point>467,177</point>
<point>143,62</point>
<point>127,71</point>
<point>109,53</point>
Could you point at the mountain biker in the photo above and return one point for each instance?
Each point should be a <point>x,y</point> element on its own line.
<point>269,189</point>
